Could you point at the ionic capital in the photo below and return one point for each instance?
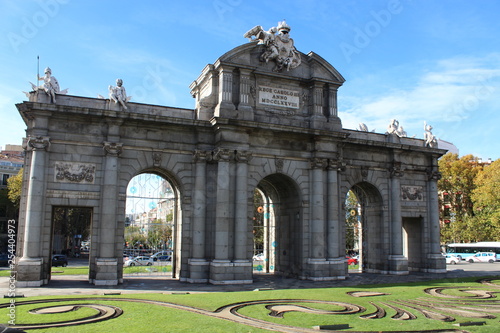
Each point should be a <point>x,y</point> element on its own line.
<point>113,148</point>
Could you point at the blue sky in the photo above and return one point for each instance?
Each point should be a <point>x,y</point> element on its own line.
<point>415,61</point>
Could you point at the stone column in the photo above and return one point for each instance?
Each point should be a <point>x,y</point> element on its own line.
<point>221,268</point>
<point>200,198</point>
<point>318,119</point>
<point>29,269</point>
<point>222,217</point>
<point>106,262</point>
<point>333,204</point>
<point>317,264</point>
<point>198,265</point>
<point>332,102</point>
<point>244,104</point>
<point>242,264</point>
<point>335,244</point>
<point>436,261</point>
<point>318,100</point>
<point>318,209</point>
<point>225,92</point>
<point>241,211</point>
<point>398,264</point>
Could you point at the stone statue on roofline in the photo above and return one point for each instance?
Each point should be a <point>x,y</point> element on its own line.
<point>396,129</point>
<point>278,47</point>
<point>50,85</point>
<point>430,139</point>
<point>118,94</point>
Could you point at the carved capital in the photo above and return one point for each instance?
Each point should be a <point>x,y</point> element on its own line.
<point>201,156</point>
<point>243,156</point>
<point>222,154</point>
<point>335,164</point>
<point>36,143</point>
<point>433,175</point>
<point>318,163</point>
<point>396,170</point>
<point>113,148</point>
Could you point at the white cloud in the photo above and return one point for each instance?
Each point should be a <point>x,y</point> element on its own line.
<point>452,92</point>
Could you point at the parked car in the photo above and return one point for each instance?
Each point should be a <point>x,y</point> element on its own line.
<point>161,253</point>
<point>490,257</point>
<point>164,258</point>
<point>451,259</point>
<point>139,261</point>
<point>259,257</point>
<point>59,260</point>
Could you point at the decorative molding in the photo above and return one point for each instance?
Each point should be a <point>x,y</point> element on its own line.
<point>412,193</point>
<point>73,195</point>
<point>113,148</point>
<point>74,172</point>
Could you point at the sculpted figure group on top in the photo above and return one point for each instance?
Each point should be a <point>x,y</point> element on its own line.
<point>279,47</point>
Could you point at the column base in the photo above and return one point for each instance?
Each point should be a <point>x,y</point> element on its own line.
<point>230,272</point>
<point>325,270</point>
<point>436,263</point>
<point>199,270</point>
<point>398,265</point>
<point>29,273</point>
<point>106,272</point>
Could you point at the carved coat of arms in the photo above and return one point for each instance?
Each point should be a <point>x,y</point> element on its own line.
<point>278,47</point>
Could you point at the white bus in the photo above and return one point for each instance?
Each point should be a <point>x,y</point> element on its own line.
<point>466,250</point>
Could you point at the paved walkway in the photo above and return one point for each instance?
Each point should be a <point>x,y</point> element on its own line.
<point>79,285</point>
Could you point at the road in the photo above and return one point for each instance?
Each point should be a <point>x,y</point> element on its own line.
<point>476,266</point>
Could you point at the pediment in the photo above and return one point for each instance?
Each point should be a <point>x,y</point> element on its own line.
<point>312,66</point>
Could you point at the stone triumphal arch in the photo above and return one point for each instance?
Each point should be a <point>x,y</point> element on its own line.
<point>265,118</point>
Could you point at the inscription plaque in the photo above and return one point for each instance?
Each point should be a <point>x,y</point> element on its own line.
<point>281,97</point>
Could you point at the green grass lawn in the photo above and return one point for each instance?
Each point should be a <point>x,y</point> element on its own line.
<point>154,312</point>
<point>84,270</point>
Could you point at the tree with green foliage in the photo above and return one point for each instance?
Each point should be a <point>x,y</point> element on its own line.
<point>456,186</point>
<point>15,186</point>
<point>133,236</point>
<point>486,198</point>
<point>158,235</point>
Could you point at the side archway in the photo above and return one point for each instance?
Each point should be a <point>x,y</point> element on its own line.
<point>373,247</point>
<point>282,208</point>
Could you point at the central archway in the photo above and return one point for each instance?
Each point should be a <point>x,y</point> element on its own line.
<point>282,209</point>
<point>153,212</point>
